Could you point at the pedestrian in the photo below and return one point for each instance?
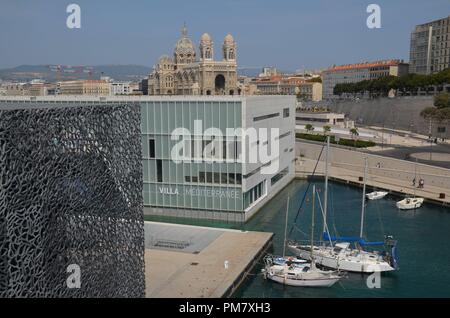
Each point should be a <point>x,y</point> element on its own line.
<point>421,183</point>
<point>414,182</point>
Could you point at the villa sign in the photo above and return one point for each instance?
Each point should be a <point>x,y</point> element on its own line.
<point>201,192</point>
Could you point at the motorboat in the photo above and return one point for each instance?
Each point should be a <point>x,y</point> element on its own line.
<point>376,195</point>
<point>410,203</point>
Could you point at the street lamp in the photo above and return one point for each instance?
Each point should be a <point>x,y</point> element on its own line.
<point>430,139</point>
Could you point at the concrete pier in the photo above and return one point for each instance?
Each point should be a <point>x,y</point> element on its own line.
<point>190,261</point>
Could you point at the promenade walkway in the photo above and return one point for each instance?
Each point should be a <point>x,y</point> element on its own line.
<point>351,173</point>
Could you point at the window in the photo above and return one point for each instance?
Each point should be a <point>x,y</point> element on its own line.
<point>258,118</point>
<point>279,176</point>
<point>238,178</point>
<point>254,193</point>
<point>209,177</point>
<point>223,178</point>
<point>284,135</point>
<point>285,112</point>
<point>159,174</point>
<point>151,148</point>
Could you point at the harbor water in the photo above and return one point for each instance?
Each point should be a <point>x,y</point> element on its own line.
<point>423,242</point>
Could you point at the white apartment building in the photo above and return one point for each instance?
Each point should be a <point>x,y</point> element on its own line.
<point>430,47</point>
<point>353,73</point>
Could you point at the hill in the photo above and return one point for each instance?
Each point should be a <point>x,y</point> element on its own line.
<point>50,73</point>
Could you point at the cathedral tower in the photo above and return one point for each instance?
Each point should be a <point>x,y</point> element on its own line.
<point>229,48</point>
<point>206,48</point>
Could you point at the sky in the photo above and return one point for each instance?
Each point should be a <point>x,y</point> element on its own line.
<point>289,34</point>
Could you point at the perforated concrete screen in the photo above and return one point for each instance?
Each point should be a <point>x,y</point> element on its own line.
<point>71,194</point>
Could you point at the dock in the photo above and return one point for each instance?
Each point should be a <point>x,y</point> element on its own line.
<point>352,174</point>
<point>197,262</point>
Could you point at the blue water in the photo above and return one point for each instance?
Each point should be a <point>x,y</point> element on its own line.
<point>423,243</point>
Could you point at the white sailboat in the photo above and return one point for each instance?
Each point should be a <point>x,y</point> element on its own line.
<point>341,255</point>
<point>305,275</point>
<point>411,203</point>
<point>293,272</point>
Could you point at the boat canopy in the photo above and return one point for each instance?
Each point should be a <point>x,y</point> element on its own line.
<point>359,240</point>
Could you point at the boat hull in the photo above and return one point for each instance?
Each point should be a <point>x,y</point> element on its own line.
<point>323,282</point>
<point>413,203</point>
<point>376,195</point>
<point>341,263</point>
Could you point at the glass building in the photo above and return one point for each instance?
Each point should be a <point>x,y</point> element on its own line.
<point>197,165</point>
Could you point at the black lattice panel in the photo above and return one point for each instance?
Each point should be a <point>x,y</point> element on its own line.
<point>71,193</point>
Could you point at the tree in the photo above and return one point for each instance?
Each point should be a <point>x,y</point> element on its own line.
<point>442,100</point>
<point>440,111</point>
<point>381,86</point>
<point>326,129</point>
<point>354,132</point>
<point>315,80</point>
<point>429,112</point>
<point>309,127</point>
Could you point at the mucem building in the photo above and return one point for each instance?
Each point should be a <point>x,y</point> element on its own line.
<point>71,221</point>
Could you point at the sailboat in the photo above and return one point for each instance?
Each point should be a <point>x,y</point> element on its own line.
<point>293,272</point>
<point>337,252</point>
<point>411,203</point>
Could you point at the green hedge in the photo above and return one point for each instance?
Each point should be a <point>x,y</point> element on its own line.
<point>342,141</point>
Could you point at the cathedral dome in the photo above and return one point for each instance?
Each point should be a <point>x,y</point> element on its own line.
<point>165,59</point>
<point>229,39</point>
<point>205,38</point>
<point>184,44</point>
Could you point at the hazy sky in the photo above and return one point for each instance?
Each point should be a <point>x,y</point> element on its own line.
<point>289,34</point>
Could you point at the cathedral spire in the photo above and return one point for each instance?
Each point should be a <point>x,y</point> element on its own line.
<point>184,31</point>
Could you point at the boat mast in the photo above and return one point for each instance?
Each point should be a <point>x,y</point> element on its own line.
<point>325,202</point>
<point>363,203</point>
<point>415,177</point>
<point>285,228</point>
<point>312,223</point>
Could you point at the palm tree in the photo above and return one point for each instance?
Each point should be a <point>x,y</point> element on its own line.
<point>326,129</point>
<point>309,127</point>
<point>354,132</point>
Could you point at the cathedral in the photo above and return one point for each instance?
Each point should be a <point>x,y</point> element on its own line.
<point>189,74</point>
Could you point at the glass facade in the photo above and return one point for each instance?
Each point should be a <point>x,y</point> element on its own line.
<point>252,195</point>
<point>199,182</point>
